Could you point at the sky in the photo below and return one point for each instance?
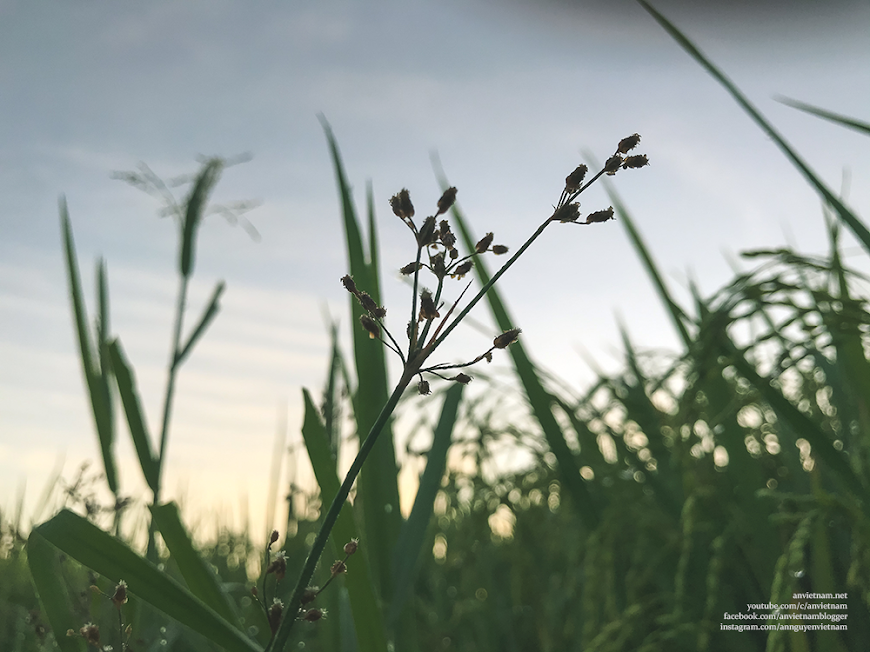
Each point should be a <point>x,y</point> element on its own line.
<point>509,94</point>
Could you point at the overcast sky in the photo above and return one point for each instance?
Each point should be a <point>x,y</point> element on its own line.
<point>508,93</point>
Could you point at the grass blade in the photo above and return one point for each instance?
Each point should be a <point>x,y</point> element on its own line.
<point>677,315</point>
<point>208,315</point>
<point>194,209</point>
<point>197,574</point>
<point>129,392</point>
<point>367,616</point>
<point>47,574</point>
<point>850,218</point>
<point>104,554</point>
<point>837,118</point>
<point>413,534</point>
<point>93,376</point>
<point>378,484</point>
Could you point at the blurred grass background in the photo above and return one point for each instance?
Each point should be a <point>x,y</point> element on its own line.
<point>686,485</point>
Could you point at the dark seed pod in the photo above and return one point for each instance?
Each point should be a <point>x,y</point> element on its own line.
<point>401,204</point>
<point>506,339</point>
<point>371,326</point>
<point>484,243</point>
<point>635,162</point>
<point>600,216</point>
<point>612,164</point>
<point>498,250</point>
<point>574,180</point>
<point>628,144</point>
<point>446,200</point>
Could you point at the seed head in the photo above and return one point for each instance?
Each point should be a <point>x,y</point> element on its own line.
<point>91,633</point>
<point>484,243</point>
<point>427,306</point>
<point>426,236</point>
<point>348,284</point>
<point>119,597</point>
<point>498,250</point>
<point>567,213</point>
<point>309,594</point>
<point>462,379</point>
<point>273,537</point>
<point>600,216</point>
<point>313,615</point>
<point>628,144</point>
<point>574,180</point>
<point>338,568</point>
<point>423,387</point>
<point>278,566</point>
<point>410,268</point>
<point>438,266</point>
<point>612,164</point>
<point>351,546</point>
<point>454,254</point>
<point>638,161</point>
<point>446,200</point>
<point>371,326</point>
<point>506,339</point>
<point>462,269</point>
<point>275,612</point>
<point>401,204</point>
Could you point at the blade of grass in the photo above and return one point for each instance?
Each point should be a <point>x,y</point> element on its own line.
<point>195,206</point>
<point>197,574</point>
<point>846,215</point>
<point>367,616</point>
<point>837,118</point>
<point>102,553</point>
<point>129,393</point>
<point>93,378</point>
<point>377,485</point>
<point>210,312</point>
<point>47,574</point>
<point>413,534</point>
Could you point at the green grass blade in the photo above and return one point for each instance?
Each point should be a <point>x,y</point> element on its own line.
<point>108,556</point>
<point>806,428</point>
<point>47,574</point>
<point>197,573</point>
<point>378,483</point>
<point>210,312</point>
<point>850,218</point>
<point>129,392</point>
<point>837,118</point>
<point>93,376</point>
<point>413,534</point>
<point>539,398</point>
<point>194,208</point>
<point>367,616</point>
<point>677,315</point>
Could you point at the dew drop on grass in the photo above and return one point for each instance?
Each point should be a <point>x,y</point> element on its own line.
<point>798,573</point>
<point>388,508</point>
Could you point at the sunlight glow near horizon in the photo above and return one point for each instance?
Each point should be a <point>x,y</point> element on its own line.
<point>508,94</point>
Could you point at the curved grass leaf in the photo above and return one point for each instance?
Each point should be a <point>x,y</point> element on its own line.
<point>47,574</point>
<point>367,616</point>
<point>106,555</point>
<point>208,315</point>
<point>129,392</point>
<point>846,215</point>
<point>837,118</point>
<point>413,534</point>
<point>378,483</point>
<point>93,376</point>
<point>194,208</point>
<point>197,574</point>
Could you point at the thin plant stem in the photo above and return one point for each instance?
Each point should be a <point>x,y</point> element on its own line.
<point>292,608</point>
<point>170,383</point>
